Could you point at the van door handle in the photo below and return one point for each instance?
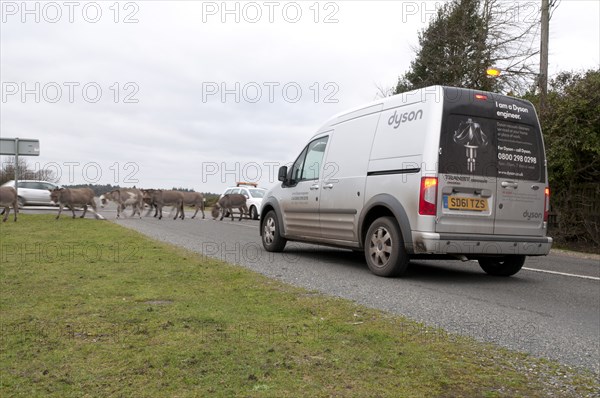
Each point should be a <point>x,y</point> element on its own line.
<point>327,186</point>
<point>508,184</point>
<point>314,187</point>
<point>484,193</point>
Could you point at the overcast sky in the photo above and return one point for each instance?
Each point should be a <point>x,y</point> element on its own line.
<point>190,94</point>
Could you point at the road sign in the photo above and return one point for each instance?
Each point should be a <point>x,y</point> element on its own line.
<point>26,147</point>
<point>19,147</point>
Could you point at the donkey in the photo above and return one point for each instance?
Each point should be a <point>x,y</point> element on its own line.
<point>72,197</point>
<point>195,199</point>
<point>229,202</point>
<point>161,198</point>
<point>123,197</point>
<point>8,198</point>
<point>149,200</point>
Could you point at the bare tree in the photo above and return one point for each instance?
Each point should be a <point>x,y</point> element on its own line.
<point>383,92</point>
<point>512,31</point>
<point>466,37</point>
<point>26,172</point>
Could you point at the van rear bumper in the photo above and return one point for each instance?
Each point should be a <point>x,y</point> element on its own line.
<point>444,243</point>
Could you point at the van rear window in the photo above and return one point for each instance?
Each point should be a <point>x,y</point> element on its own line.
<point>472,145</point>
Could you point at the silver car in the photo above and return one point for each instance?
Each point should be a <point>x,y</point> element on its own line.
<point>32,192</point>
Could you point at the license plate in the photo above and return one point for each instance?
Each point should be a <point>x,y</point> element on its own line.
<point>462,203</point>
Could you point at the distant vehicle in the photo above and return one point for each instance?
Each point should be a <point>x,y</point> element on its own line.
<point>439,172</point>
<point>33,192</point>
<point>253,194</point>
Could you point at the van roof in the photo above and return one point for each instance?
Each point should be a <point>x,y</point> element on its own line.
<point>382,103</point>
<point>435,93</point>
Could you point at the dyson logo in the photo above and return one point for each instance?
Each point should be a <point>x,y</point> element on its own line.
<point>398,118</point>
<point>532,214</point>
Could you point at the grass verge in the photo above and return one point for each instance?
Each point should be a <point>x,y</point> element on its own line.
<point>92,309</point>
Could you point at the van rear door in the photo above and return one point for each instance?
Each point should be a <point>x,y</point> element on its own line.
<point>491,172</point>
<point>466,175</point>
<point>521,177</point>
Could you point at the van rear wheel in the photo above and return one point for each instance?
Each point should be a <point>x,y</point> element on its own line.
<point>502,266</point>
<point>384,248</point>
<point>271,237</point>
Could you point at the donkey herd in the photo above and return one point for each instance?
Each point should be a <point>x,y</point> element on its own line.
<point>156,199</point>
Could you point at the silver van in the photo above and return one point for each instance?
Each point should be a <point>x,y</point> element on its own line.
<point>440,172</point>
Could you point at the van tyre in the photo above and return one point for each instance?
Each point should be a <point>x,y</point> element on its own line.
<point>502,266</point>
<point>271,237</point>
<point>384,248</point>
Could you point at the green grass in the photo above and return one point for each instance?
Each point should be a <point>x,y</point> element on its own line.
<point>89,308</point>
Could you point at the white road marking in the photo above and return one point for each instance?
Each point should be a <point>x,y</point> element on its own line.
<point>240,223</point>
<point>594,278</point>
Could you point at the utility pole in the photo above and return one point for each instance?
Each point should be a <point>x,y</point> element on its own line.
<point>543,76</point>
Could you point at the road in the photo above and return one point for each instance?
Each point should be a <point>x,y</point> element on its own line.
<point>550,309</point>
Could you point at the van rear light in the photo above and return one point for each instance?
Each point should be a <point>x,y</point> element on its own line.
<point>428,195</point>
<point>546,203</point>
<point>481,97</point>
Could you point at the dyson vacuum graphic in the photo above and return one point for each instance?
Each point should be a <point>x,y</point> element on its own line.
<point>470,135</point>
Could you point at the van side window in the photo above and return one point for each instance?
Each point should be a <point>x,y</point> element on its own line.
<point>308,164</point>
<point>296,169</point>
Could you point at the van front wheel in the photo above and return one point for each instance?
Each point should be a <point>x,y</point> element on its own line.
<point>384,248</point>
<point>271,237</point>
<point>502,266</point>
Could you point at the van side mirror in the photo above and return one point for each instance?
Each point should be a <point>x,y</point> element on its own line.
<point>282,176</point>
